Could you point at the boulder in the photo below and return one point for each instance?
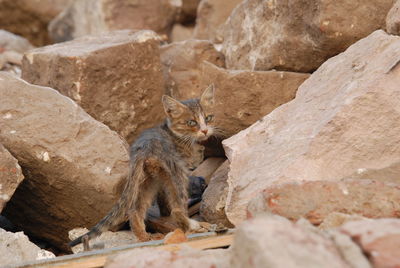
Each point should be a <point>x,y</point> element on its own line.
<point>72,163</point>
<point>379,239</point>
<point>182,66</point>
<point>153,258</point>
<point>393,19</point>
<point>343,123</point>
<point>88,17</point>
<point>29,18</point>
<point>15,248</point>
<point>297,35</point>
<point>315,200</point>
<point>212,207</point>
<point>10,175</point>
<point>115,77</point>
<point>211,16</point>
<point>243,97</point>
<point>273,241</point>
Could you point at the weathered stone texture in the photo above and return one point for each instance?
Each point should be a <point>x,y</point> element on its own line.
<point>297,35</point>
<point>71,162</point>
<point>342,124</point>
<point>115,77</point>
<point>88,17</point>
<point>315,200</point>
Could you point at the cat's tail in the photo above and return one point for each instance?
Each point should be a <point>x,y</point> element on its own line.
<point>118,213</point>
<point>113,218</point>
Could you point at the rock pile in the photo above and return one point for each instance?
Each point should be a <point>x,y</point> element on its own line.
<point>307,101</point>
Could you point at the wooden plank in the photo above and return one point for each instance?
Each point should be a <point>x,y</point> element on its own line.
<point>94,259</point>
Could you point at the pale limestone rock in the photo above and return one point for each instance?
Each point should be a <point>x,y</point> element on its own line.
<point>343,123</point>
<point>15,248</point>
<point>115,77</point>
<point>72,163</point>
<point>297,35</point>
<point>273,241</point>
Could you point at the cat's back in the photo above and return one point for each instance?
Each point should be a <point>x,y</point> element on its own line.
<point>154,141</point>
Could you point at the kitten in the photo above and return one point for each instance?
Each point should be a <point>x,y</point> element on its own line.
<point>161,158</point>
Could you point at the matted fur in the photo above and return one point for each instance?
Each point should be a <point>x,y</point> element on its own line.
<point>160,161</point>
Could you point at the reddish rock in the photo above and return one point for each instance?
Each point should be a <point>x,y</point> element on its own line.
<point>175,237</point>
<point>115,77</point>
<point>393,19</point>
<point>212,207</point>
<point>72,163</point>
<point>315,200</point>
<point>88,17</point>
<point>272,241</point>
<point>297,35</point>
<point>342,124</point>
<point>182,66</point>
<point>243,97</point>
<point>10,174</point>
<point>211,16</point>
<point>29,18</point>
<point>379,239</point>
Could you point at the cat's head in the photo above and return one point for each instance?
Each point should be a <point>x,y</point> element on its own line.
<point>191,119</point>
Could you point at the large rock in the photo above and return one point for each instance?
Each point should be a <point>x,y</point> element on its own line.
<point>153,258</point>
<point>115,77</point>
<point>276,242</point>
<point>181,32</point>
<point>10,175</point>
<point>379,239</point>
<point>393,19</point>
<point>243,97</point>
<point>211,16</point>
<point>297,35</point>
<point>343,123</point>
<point>30,18</point>
<point>182,66</point>
<point>315,200</point>
<point>15,248</point>
<point>88,17</point>
<point>212,207</point>
<point>72,163</point>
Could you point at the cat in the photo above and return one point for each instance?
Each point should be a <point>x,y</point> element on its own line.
<point>160,161</point>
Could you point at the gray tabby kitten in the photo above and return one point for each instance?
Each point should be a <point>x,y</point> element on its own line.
<point>161,159</point>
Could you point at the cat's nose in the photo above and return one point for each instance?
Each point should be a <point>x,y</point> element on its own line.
<point>204,131</point>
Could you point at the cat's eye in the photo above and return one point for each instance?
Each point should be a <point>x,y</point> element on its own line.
<point>209,118</point>
<point>191,123</point>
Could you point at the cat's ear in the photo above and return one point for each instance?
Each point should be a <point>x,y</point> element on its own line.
<point>172,107</point>
<point>207,98</point>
